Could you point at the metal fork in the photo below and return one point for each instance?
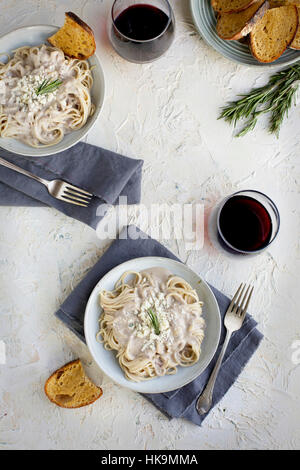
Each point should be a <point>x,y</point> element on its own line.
<point>233,321</point>
<point>57,188</point>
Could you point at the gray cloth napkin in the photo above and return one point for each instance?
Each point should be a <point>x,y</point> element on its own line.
<point>178,403</point>
<point>105,174</point>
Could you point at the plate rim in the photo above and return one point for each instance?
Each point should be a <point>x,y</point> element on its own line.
<point>131,385</point>
<point>50,150</point>
<point>271,65</point>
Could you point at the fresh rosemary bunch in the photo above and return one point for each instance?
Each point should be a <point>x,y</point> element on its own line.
<point>154,321</point>
<point>275,98</point>
<point>48,87</point>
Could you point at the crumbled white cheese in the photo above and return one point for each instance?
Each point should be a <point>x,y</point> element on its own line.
<point>26,89</point>
<point>164,324</point>
<point>145,329</point>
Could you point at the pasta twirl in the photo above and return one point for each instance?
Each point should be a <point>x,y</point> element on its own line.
<point>43,120</point>
<point>153,320</point>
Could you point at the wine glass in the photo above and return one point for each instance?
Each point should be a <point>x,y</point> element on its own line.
<point>247,222</point>
<point>141,32</point>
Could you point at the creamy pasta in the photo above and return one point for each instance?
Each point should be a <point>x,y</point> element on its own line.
<point>43,119</point>
<point>154,321</point>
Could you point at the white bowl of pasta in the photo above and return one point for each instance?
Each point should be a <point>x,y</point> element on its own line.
<point>152,324</point>
<point>30,129</point>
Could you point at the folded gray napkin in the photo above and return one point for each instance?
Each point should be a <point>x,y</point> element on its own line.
<point>105,174</point>
<point>178,403</point>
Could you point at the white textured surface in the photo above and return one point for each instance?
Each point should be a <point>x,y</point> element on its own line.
<point>166,114</point>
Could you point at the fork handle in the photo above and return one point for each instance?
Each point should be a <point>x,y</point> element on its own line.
<point>22,171</point>
<point>205,400</point>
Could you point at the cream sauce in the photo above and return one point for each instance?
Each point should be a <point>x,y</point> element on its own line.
<point>178,322</point>
<point>43,118</point>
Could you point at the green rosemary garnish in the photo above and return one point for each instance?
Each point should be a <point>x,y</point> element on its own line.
<point>48,87</point>
<point>276,98</point>
<point>154,321</point>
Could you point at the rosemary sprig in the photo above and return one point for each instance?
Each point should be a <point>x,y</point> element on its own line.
<point>154,321</point>
<point>275,98</point>
<point>48,87</point>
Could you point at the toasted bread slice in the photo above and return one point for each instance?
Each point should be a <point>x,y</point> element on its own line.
<point>282,3</point>
<point>233,26</point>
<point>295,44</point>
<point>277,3</point>
<point>75,38</point>
<point>274,33</point>
<point>229,6</point>
<point>69,387</point>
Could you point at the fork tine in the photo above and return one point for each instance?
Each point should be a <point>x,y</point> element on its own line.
<point>71,201</point>
<point>234,297</point>
<point>241,305</point>
<point>76,197</point>
<point>77,193</point>
<point>243,314</point>
<point>237,302</point>
<point>79,190</point>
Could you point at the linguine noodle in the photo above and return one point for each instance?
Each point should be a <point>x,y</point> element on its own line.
<point>43,120</point>
<point>126,326</point>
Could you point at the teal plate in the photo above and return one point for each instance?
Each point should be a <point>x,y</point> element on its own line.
<point>205,21</point>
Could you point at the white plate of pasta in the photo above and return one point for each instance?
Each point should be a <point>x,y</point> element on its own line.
<point>152,324</point>
<point>36,126</point>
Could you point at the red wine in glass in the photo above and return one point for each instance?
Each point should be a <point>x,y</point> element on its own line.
<point>141,32</point>
<point>247,222</point>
